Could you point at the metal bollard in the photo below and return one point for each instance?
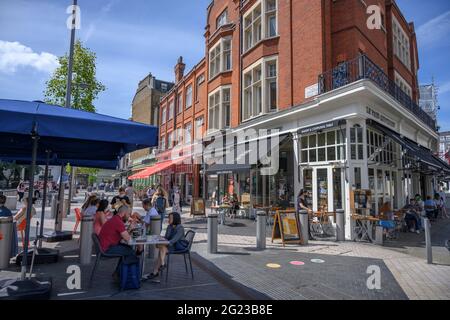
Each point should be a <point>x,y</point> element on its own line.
<point>304,225</point>
<point>379,236</point>
<point>155,229</point>
<point>6,236</point>
<point>427,226</point>
<point>87,228</point>
<point>212,233</point>
<point>261,218</point>
<point>54,206</point>
<point>340,225</point>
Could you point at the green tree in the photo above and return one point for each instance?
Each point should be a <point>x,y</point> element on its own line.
<point>85,86</point>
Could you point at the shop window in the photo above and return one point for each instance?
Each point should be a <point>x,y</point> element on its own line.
<point>323,146</point>
<point>357,177</point>
<point>356,143</point>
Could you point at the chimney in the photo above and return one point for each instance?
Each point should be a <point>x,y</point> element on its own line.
<point>179,70</point>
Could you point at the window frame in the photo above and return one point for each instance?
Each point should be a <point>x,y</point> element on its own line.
<point>261,21</point>
<point>224,13</point>
<point>216,56</point>
<point>189,91</point>
<point>248,89</point>
<point>219,107</point>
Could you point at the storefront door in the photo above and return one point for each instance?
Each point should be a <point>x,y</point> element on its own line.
<point>325,184</point>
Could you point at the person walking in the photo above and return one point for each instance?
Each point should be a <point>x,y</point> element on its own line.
<point>21,190</point>
<point>302,204</point>
<point>161,203</point>
<point>176,201</point>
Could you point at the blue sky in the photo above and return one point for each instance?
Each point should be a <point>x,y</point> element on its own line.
<point>134,37</point>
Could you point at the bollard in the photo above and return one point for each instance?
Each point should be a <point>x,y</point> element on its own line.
<point>54,206</point>
<point>340,225</point>
<point>87,228</point>
<point>304,225</point>
<point>427,226</point>
<point>212,233</point>
<point>6,238</point>
<point>261,218</point>
<point>379,237</point>
<point>155,229</point>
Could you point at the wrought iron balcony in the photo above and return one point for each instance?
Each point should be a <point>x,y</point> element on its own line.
<point>363,68</point>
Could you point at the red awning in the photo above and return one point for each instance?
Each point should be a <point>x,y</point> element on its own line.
<point>156,168</point>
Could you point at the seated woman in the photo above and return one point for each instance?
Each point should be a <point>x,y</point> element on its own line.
<point>177,242</point>
<point>89,207</point>
<point>411,217</point>
<point>100,216</point>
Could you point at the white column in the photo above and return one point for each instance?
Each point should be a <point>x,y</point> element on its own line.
<point>297,180</point>
<point>348,182</point>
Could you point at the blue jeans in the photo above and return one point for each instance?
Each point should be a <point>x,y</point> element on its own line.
<point>412,217</point>
<point>127,252</point>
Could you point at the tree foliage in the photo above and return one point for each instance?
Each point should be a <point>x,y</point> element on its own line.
<point>85,86</point>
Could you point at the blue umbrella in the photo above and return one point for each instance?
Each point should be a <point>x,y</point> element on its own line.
<point>34,131</point>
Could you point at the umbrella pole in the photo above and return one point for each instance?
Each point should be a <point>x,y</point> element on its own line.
<point>29,206</point>
<point>59,216</point>
<point>44,199</point>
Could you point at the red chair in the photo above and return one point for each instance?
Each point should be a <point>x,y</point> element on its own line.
<point>78,217</point>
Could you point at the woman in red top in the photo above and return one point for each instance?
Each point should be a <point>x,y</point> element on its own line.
<point>100,216</point>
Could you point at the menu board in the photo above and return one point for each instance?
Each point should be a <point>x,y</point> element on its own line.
<point>198,207</point>
<point>286,227</point>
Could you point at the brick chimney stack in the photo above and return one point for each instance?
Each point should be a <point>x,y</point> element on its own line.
<point>179,70</point>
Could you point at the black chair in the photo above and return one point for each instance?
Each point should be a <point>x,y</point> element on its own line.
<point>190,238</point>
<point>101,255</point>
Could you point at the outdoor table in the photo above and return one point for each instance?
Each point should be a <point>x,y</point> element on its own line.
<point>145,242</point>
<point>322,220</point>
<point>363,227</point>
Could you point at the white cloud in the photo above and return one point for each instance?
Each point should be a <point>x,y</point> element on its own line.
<point>14,55</point>
<point>434,31</point>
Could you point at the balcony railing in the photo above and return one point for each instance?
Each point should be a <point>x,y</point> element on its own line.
<point>363,68</point>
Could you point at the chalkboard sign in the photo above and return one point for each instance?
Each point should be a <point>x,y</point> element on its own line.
<point>286,227</point>
<point>198,207</point>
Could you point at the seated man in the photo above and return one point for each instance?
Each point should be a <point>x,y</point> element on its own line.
<point>4,211</point>
<point>412,218</point>
<point>114,236</point>
<point>120,199</point>
<point>430,208</point>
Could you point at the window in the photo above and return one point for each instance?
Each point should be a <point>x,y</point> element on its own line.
<point>222,19</point>
<point>163,115</point>
<point>199,128</point>
<point>171,109</point>
<point>169,140</point>
<point>380,149</point>
<point>323,146</point>
<point>162,144</point>
<point>188,133</point>
<point>180,102</point>
<point>163,87</point>
<point>260,88</point>
<point>219,109</point>
<point>260,22</point>
<point>403,85</point>
<point>356,143</point>
<point>401,43</point>
<point>220,57</point>
<point>189,96</point>
<point>200,80</point>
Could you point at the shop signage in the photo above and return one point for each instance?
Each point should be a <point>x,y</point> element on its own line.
<point>286,227</point>
<point>379,116</point>
<point>322,126</point>
<point>312,91</point>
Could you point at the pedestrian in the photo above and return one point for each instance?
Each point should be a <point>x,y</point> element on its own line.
<point>150,192</point>
<point>161,203</point>
<point>302,204</point>
<point>430,208</point>
<point>129,191</point>
<point>21,190</point>
<point>176,201</point>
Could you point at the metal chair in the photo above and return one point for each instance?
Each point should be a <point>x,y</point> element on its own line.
<point>190,238</point>
<point>101,255</point>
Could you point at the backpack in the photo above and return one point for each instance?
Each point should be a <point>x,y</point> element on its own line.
<point>160,204</point>
<point>129,276</point>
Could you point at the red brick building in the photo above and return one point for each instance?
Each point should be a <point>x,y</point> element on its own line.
<point>347,67</point>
